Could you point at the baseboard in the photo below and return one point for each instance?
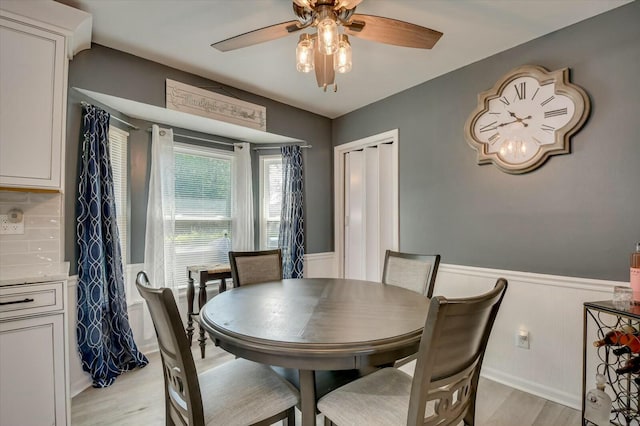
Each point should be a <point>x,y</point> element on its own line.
<point>80,385</point>
<point>533,388</point>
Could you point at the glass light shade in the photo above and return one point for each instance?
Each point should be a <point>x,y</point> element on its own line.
<point>347,4</point>
<point>305,3</point>
<point>328,35</point>
<point>342,58</point>
<point>304,54</point>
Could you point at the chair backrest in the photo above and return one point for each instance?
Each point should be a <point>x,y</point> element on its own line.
<point>451,351</point>
<point>416,272</point>
<point>183,401</point>
<point>251,267</point>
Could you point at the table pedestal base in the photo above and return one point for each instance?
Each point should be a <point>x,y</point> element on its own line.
<point>313,385</point>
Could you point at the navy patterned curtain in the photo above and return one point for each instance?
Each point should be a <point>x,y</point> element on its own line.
<point>291,239</point>
<point>105,340</point>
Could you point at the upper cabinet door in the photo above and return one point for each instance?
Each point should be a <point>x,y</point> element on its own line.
<point>33,69</point>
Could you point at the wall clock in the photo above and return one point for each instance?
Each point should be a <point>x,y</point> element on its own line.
<point>528,115</point>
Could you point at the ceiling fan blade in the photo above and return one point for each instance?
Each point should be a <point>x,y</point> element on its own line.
<point>392,31</point>
<point>269,33</point>
<point>323,64</point>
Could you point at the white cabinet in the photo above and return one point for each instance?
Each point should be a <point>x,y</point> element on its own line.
<point>33,72</point>
<point>36,41</point>
<point>33,366</point>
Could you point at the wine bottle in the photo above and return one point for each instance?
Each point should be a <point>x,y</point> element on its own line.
<point>631,345</point>
<point>614,337</point>
<point>631,366</point>
<point>597,404</point>
<point>634,273</point>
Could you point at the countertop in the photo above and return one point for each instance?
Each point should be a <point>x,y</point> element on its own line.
<point>28,274</point>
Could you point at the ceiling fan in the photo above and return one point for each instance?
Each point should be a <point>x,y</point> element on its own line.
<point>328,51</point>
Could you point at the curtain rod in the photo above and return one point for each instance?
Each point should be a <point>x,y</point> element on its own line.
<point>114,117</point>
<point>201,139</point>
<point>261,148</point>
<point>227,143</point>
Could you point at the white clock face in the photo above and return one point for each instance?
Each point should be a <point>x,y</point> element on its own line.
<point>523,118</point>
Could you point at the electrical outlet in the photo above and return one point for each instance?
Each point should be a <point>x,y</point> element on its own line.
<point>8,227</point>
<point>522,339</point>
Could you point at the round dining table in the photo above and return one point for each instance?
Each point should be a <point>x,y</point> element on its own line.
<point>314,324</point>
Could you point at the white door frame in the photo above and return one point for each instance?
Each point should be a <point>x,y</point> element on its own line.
<point>339,153</point>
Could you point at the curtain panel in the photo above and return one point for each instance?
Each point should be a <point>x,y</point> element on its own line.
<point>105,340</point>
<point>159,247</point>
<point>242,199</point>
<point>291,239</point>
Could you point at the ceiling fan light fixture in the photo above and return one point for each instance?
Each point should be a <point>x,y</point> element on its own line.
<point>307,4</point>
<point>305,54</point>
<point>346,4</point>
<point>342,58</point>
<point>328,50</point>
<point>327,32</point>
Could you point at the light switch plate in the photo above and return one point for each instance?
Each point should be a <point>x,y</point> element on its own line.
<point>7,227</point>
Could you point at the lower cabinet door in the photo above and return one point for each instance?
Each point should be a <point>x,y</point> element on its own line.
<point>32,378</point>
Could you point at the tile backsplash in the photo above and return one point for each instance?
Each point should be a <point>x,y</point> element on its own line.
<point>41,243</point>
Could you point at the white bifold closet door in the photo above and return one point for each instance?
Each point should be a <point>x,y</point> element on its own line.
<point>368,210</point>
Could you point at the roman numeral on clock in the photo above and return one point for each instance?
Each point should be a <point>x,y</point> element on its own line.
<point>505,101</point>
<point>490,126</point>
<point>547,128</point>
<point>555,113</point>
<point>546,101</point>
<point>494,138</point>
<point>521,90</point>
<point>535,93</point>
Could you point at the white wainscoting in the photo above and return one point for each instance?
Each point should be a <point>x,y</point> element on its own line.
<point>549,307</point>
<point>318,265</point>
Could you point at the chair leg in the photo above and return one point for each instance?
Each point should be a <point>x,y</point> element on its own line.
<point>328,422</point>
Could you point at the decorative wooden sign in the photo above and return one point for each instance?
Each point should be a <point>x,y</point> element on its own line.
<point>193,100</point>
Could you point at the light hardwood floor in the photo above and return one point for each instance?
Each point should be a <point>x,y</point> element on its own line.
<point>137,399</point>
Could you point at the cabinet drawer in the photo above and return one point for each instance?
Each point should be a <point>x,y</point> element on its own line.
<point>29,299</point>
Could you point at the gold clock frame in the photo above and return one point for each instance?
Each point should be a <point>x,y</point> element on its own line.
<point>562,144</point>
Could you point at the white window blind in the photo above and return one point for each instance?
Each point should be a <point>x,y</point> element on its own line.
<point>270,200</point>
<point>203,208</point>
<point>118,141</point>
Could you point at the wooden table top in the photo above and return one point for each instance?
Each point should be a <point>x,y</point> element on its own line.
<point>315,318</point>
<point>211,269</point>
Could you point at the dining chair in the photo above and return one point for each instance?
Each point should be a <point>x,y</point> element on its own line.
<point>238,392</point>
<point>251,267</point>
<point>445,381</point>
<point>416,272</point>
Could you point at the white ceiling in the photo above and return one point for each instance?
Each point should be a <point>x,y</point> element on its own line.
<point>178,33</point>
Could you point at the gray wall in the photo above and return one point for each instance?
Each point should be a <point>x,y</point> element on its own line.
<point>109,71</point>
<point>577,215</point>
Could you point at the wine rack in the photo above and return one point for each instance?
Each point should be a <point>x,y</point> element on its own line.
<point>624,389</point>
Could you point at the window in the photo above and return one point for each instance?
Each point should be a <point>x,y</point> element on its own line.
<point>202,207</point>
<point>118,141</point>
<point>270,200</point>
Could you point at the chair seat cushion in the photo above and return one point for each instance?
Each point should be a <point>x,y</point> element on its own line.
<point>381,398</point>
<point>243,392</point>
